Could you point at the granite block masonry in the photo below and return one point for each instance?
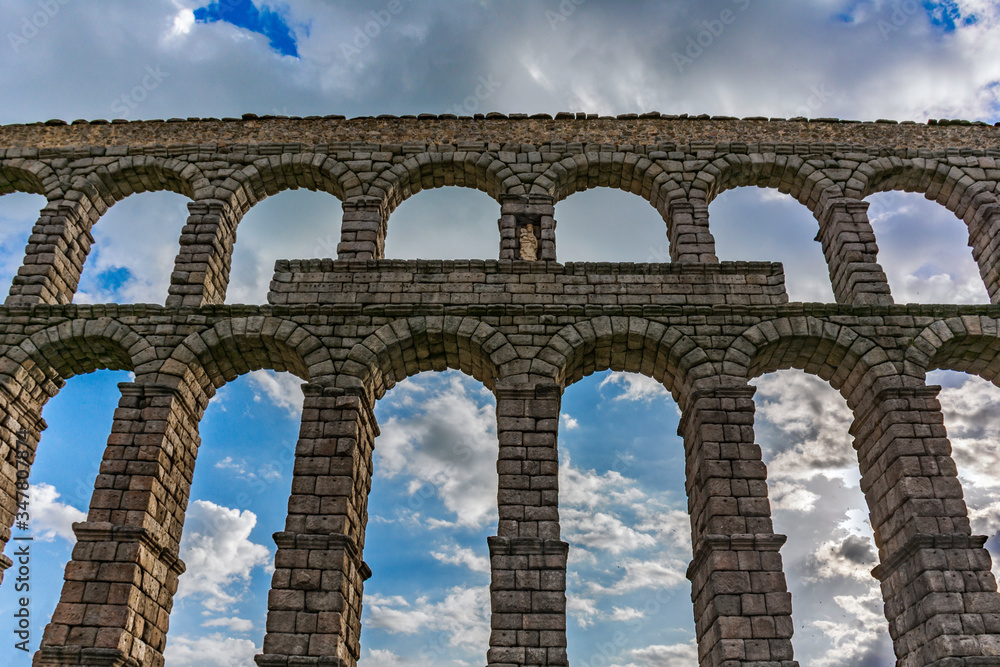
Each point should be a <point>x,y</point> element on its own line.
<point>524,325</point>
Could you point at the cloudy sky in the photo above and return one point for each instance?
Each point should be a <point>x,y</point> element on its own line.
<point>433,500</point>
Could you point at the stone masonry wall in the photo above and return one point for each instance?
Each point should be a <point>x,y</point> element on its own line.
<point>354,325</point>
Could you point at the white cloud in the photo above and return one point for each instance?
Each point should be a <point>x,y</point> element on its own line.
<point>852,557</point>
<point>463,616</point>
<point>456,555</point>
<point>284,390</point>
<point>219,554</point>
<point>448,445</point>
<point>49,517</point>
<point>638,388</point>
<point>786,495</point>
<point>210,651</point>
<point>233,623</point>
<point>599,530</point>
<point>569,423</point>
<point>675,655</point>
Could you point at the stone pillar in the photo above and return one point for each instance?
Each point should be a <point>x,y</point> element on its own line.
<point>741,603</point>
<point>20,429</point>
<point>363,230</point>
<point>527,558</point>
<point>691,240</point>
<point>984,238</point>
<point>940,596</point>
<point>314,607</point>
<point>201,270</point>
<point>119,588</point>
<point>518,211</point>
<point>851,253</point>
<point>54,257</point>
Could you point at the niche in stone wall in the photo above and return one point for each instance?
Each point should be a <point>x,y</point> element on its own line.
<point>924,250</point>
<point>444,223</point>
<point>758,224</point>
<point>135,245</point>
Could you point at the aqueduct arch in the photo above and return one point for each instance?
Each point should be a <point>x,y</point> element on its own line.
<point>525,329</point>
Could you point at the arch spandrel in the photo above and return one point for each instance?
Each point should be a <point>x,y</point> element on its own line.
<point>233,347</point>
<point>30,176</point>
<point>970,344</point>
<point>837,353</point>
<point>408,346</point>
<point>42,362</point>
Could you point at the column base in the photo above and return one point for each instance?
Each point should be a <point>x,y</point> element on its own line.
<point>75,655</point>
<point>528,598</point>
<point>298,661</point>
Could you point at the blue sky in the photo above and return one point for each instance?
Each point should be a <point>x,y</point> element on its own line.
<point>432,505</point>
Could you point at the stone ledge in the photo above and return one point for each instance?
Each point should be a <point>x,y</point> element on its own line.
<point>101,531</point>
<point>332,542</point>
<point>526,546</point>
<point>741,542</point>
<point>75,655</point>
<point>298,661</point>
<point>926,541</point>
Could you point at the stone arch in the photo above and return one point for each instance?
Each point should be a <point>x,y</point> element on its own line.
<point>232,347</point>
<point>43,361</point>
<point>631,172</point>
<point>108,184</point>
<point>956,183</point>
<point>838,354</point>
<point>806,180</point>
<point>29,176</point>
<point>970,344</point>
<point>267,176</point>
<point>425,171</point>
<point>406,347</point>
<point>629,344</point>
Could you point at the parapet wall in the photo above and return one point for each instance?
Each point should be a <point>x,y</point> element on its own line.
<point>489,283</point>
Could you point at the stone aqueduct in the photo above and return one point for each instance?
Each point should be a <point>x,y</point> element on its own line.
<point>352,328</point>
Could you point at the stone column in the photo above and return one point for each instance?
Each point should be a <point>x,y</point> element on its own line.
<point>741,603</point>
<point>691,240</point>
<point>201,270</point>
<point>984,238</point>
<point>851,253</point>
<point>20,429</point>
<point>314,607</point>
<point>54,257</point>
<point>119,588</point>
<point>363,230</point>
<point>518,211</point>
<point>527,558</point>
<point>940,596</point>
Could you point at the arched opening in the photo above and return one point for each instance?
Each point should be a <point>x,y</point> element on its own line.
<point>971,407</point>
<point>444,223</point>
<point>18,214</point>
<point>62,477</point>
<point>431,509</point>
<point>609,225</point>
<point>135,243</point>
<point>303,224</point>
<point>239,498</point>
<point>813,480</point>
<point>924,250</point>
<point>758,224</point>
<point>623,511</point>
